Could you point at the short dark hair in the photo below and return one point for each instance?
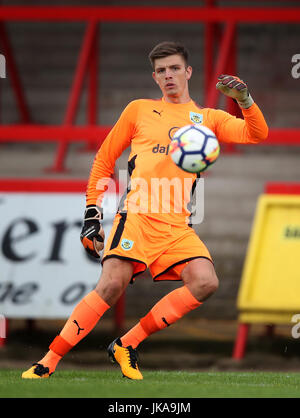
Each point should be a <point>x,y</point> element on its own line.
<point>166,48</point>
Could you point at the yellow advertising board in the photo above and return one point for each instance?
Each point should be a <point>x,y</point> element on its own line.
<point>270,286</point>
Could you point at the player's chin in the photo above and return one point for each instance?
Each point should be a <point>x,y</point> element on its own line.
<point>172,92</point>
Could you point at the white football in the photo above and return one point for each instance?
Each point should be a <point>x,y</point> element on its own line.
<point>194,148</point>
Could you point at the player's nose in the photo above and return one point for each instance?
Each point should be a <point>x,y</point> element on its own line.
<point>168,74</point>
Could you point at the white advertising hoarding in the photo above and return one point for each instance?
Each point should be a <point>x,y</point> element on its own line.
<point>45,270</point>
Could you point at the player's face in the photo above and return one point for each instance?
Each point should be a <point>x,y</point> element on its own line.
<point>172,75</point>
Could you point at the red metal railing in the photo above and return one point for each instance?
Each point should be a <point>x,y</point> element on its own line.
<point>152,14</point>
<point>92,133</point>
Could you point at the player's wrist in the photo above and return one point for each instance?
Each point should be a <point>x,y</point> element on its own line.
<point>246,103</point>
<point>93,213</point>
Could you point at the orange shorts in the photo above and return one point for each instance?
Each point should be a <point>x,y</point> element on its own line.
<point>164,249</point>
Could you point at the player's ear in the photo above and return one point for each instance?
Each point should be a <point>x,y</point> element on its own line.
<point>189,71</point>
<point>154,77</point>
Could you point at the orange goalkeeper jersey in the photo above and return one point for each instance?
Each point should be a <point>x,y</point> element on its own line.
<point>158,188</point>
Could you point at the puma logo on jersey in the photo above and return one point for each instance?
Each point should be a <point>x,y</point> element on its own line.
<point>161,149</point>
<point>156,111</point>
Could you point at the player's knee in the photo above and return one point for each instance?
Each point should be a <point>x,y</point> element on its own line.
<point>112,283</point>
<point>201,280</point>
<point>210,283</point>
<point>110,288</point>
<point>204,285</point>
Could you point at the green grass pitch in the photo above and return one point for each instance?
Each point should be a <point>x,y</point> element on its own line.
<point>156,384</point>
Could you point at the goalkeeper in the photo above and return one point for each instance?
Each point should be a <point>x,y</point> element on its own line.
<point>144,234</point>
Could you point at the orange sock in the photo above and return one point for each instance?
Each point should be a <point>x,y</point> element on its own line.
<point>134,336</point>
<point>82,320</point>
<point>168,310</point>
<point>50,360</point>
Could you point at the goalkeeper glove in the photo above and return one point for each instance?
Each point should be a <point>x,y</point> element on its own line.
<point>92,233</point>
<point>233,87</point>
